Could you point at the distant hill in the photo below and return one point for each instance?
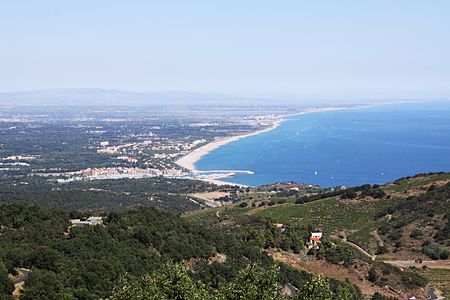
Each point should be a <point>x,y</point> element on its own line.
<point>93,96</point>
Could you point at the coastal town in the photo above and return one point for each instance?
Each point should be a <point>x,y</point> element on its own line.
<point>111,148</point>
<point>143,148</point>
<point>153,155</point>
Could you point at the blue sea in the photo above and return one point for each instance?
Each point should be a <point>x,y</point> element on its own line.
<point>349,147</point>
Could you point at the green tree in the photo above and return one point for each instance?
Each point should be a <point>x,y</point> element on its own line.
<point>372,276</point>
<point>317,288</point>
<point>6,285</point>
<point>345,290</point>
<point>253,283</point>
<point>43,284</point>
<point>171,281</point>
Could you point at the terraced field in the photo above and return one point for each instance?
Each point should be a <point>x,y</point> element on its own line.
<point>355,219</point>
<point>439,279</point>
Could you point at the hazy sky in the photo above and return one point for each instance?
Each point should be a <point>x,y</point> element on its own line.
<point>305,49</point>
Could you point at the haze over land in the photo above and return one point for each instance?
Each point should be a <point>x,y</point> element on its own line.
<point>97,96</point>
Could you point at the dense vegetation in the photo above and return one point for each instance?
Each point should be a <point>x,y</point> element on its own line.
<point>140,248</point>
<point>85,262</point>
<point>172,281</point>
<point>106,195</point>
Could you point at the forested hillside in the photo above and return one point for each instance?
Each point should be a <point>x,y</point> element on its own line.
<point>87,262</point>
<point>105,195</point>
<point>229,252</point>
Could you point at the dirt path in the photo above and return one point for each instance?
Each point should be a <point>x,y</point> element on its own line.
<point>329,270</point>
<point>19,282</point>
<point>432,264</point>
<point>356,246</point>
<point>377,237</point>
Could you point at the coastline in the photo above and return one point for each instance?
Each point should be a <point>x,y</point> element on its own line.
<point>188,161</point>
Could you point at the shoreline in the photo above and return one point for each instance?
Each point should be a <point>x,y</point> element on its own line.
<point>188,161</point>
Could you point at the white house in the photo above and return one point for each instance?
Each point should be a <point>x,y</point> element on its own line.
<point>314,240</point>
<point>88,221</point>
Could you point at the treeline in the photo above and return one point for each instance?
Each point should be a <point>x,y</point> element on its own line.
<point>147,186</point>
<point>367,190</point>
<point>105,195</point>
<point>95,201</point>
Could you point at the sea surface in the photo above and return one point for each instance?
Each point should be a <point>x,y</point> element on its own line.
<point>348,147</point>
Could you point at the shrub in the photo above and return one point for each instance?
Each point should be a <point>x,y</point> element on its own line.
<point>416,233</point>
<point>444,254</point>
<point>435,251</point>
<point>372,276</point>
<point>349,194</point>
<point>381,250</point>
<point>378,296</point>
<point>395,235</point>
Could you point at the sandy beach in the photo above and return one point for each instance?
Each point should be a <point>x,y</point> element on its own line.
<point>188,161</point>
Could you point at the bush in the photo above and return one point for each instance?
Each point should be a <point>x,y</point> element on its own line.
<point>435,251</point>
<point>444,254</point>
<point>381,250</point>
<point>349,194</point>
<point>378,296</point>
<point>413,280</point>
<point>395,235</point>
<point>372,276</point>
<point>416,233</point>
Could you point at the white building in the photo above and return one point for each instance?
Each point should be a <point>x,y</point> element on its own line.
<point>88,221</point>
<point>314,240</point>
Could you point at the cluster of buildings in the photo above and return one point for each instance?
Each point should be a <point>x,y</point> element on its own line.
<point>118,173</point>
<point>122,149</point>
<point>15,162</point>
<point>155,149</point>
<point>19,158</point>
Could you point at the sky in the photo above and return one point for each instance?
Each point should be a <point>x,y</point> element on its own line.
<point>286,49</point>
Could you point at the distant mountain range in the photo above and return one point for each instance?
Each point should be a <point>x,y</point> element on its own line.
<point>93,96</point>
